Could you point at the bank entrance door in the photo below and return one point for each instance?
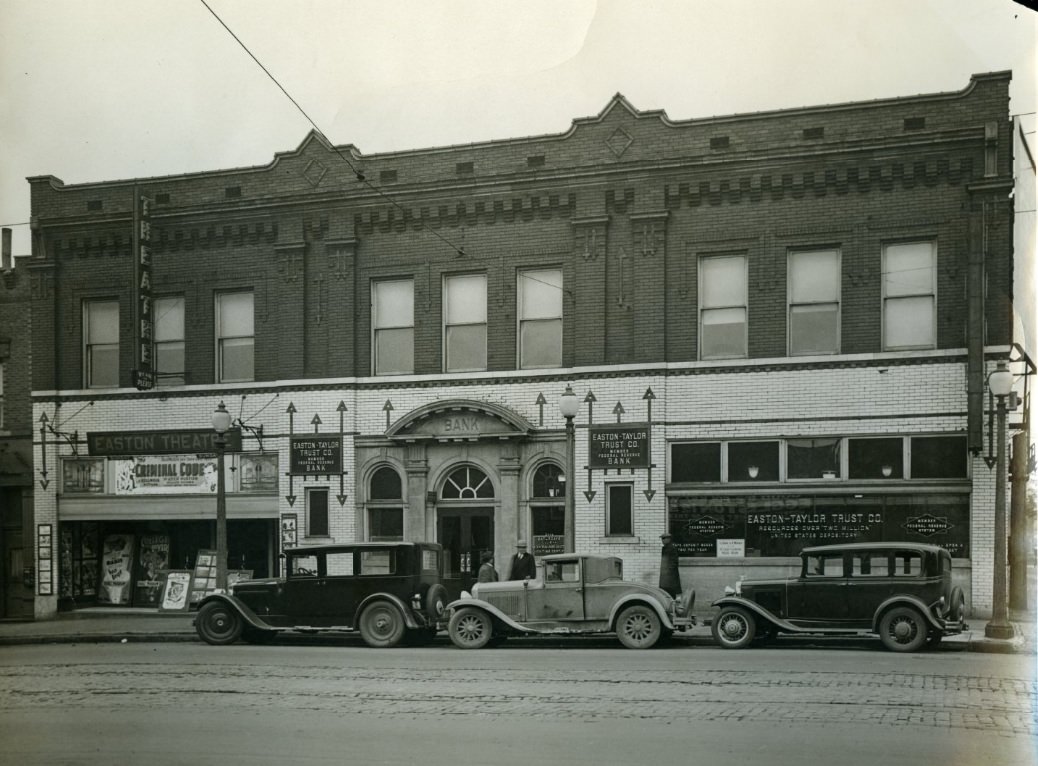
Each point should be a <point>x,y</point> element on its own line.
<point>464,535</point>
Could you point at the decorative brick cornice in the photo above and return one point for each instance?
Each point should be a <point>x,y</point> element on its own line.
<point>465,212</point>
<point>929,172</point>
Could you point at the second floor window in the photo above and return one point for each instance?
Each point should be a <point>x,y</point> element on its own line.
<point>234,337</point>
<point>722,307</point>
<point>101,344</point>
<point>392,321</point>
<point>814,302</point>
<point>540,318</point>
<point>169,341</point>
<point>909,295</point>
<point>465,323</point>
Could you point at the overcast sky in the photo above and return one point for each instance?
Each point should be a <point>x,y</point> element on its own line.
<point>96,90</point>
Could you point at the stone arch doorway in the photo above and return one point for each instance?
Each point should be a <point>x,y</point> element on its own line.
<point>465,523</point>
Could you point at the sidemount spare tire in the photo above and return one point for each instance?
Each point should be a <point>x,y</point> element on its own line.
<point>436,602</point>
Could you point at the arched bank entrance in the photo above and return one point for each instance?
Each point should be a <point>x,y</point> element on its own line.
<point>467,471</point>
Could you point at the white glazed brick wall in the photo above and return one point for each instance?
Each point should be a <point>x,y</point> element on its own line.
<point>899,398</point>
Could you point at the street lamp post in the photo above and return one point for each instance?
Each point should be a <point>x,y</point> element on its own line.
<point>568,406</point>
<point>1000,382</point>
<point>221,422</point>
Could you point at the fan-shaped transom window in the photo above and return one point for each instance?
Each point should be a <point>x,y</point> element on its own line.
<point>385,485</point>
<point>549,481</point>
<point>467,483</point>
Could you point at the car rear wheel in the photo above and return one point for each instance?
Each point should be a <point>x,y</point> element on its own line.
<point>638,627</point>
<point>218,624</point>
<point>734,627</point>
<point>382,625</point>
<point>903,629</point>
<point>470,628</point>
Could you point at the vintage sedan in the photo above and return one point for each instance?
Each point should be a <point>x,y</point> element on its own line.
<point>573,594</point>
<point>901,591</point>
<point>387,591</point>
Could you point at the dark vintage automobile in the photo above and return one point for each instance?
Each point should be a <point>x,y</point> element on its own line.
<point>573,594</point>
<point>387,591</point>
<point>901,591</point>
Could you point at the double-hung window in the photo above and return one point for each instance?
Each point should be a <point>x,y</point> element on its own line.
<point>722,307</point>
<point>234,337</point>
<point>909,295</point>
<point>101,344</point>
<point>814,302</point>
<point>540,318</point>
<point>169,341</point>
<point>465,323</point>
<point>392,322</point>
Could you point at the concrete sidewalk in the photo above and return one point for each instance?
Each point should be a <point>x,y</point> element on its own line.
<point>102,624</point>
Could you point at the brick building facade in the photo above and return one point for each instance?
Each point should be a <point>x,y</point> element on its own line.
<point>778,325</point>
<point>16,439</point>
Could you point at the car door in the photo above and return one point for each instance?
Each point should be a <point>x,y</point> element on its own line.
<point>817,598</point>
<point>562,597</point>
<point>335,594</point>
<point>300,597</point>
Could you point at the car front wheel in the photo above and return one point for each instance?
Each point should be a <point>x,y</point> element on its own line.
<point>638,627</point>
<point>903,629</point>
<point>470,628</point>
<point>734,627</point>
<point>218,624</point>
<point>382,625</point>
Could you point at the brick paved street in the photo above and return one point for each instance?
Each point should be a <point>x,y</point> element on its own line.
<point>878,695</point>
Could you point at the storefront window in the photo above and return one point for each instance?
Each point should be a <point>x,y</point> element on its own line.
<point>695,462</point>
<point>782,525</point>
<point>876,458</point>
<point>812,458</point>
<point>939,457</point>
<point>753,461</point>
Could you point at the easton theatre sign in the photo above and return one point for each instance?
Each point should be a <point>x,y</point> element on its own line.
<point>183,442</point>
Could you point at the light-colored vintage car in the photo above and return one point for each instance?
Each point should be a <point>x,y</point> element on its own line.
<point>573,594</point>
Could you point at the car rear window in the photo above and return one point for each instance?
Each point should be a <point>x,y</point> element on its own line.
<point>430,560</point>
<point>377,562</point>
<point>908,564</point>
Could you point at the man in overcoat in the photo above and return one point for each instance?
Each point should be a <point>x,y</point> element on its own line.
<point>670,579</point>
<point>522,564</point>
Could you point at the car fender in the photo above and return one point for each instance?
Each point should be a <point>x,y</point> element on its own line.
<point>405,610</point>
<point>490,609</point>
<point>906,601</point>
<point>758,610</point>
<point>641,598</point>
<point>243,611</point>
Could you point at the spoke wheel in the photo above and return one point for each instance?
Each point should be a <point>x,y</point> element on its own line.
<point>903,629</point>
<point>470,628</point>
<point>638,627</point>
<point>218,624</point>
<point>381,625</point>
<point>734,627</point>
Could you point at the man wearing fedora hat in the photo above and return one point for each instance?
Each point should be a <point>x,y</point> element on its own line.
<point>670,578</point>
<point>522,565</point>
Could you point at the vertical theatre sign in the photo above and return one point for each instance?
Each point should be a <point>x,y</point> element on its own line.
<point>144,372</point>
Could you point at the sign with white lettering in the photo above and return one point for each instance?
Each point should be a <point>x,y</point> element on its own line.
<point>144,373</point>
<point>111,443</point>
<point>731,549</point>
<point>623,445</point>
<point>315,454</point>
<point>166,475</point>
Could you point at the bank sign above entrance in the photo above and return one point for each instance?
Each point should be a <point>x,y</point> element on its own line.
<point>184,442</point>
<point>621,445</point>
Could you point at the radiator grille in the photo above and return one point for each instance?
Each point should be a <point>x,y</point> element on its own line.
<point>509,603</point>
